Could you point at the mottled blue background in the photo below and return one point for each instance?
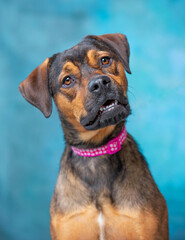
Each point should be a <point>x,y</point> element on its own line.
<point>31,146</point>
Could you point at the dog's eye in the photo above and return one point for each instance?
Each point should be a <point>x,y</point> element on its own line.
<point>105,60</point>
<point>67,81</point>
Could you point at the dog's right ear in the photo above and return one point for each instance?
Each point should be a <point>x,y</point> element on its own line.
<point>120,44</point>
<point>35,89</point>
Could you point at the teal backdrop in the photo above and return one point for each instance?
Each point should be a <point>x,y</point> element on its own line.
<point>31,146</point>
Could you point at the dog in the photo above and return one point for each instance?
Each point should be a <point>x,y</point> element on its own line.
<point>104,189</point>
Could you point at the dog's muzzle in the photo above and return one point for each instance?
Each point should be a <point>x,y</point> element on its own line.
<point>106,104</point>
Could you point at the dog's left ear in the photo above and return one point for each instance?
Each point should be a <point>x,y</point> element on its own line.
<point>35,89</point>
<point>120,44</point>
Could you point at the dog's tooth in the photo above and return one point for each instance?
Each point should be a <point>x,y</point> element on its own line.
<point>101,109</point>
<point>116,101</point>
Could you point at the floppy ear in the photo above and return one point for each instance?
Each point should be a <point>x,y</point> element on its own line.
<point>35,89</point>
<point>120,44</point>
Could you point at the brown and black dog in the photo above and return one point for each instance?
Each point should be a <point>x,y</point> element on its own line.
<point>108,197</point>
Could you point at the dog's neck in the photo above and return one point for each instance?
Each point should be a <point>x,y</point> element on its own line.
<point>90,139</point>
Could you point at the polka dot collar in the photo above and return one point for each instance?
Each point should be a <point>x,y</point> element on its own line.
<point>110,148</point>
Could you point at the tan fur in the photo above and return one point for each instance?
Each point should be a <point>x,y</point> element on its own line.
<point>121,78</point>
<point>76,109</point>
<point>80,224</point>
<point>93,57</point>
<point>97,136</point>
<point>69,68</point>
<point>127,223</point>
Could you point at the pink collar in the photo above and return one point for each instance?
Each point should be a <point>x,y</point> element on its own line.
<point>111,147</point>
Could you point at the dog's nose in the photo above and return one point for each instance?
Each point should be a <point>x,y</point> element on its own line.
<point>98,84</point>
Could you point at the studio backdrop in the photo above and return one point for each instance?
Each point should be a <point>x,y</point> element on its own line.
<point>31,146</point>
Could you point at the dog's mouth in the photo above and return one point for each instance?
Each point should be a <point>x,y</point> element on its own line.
<point>108,106</point>
<point>110,113</point>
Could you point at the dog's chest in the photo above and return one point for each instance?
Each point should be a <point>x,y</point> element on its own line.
<point>82,205</point>
<point>108,224</point>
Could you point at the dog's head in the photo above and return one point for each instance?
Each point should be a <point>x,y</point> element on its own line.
<point>87,82</point>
